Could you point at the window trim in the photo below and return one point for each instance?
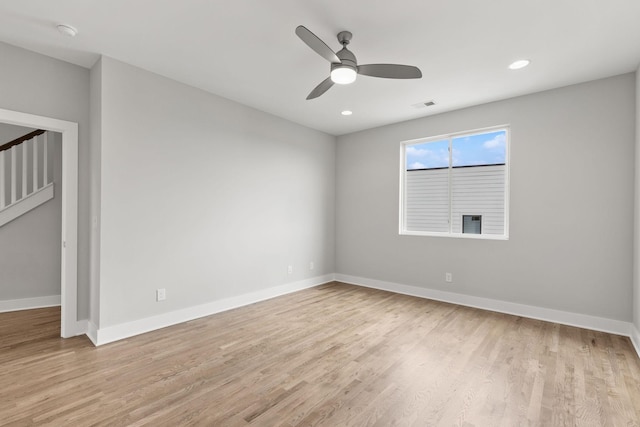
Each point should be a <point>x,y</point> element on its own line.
<point>403,181</point>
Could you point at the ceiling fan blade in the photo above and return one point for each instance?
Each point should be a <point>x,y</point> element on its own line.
<point>390,71</point>
<point>321,88</point>
<point>317,45</point>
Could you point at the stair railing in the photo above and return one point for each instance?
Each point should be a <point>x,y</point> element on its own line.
<point>30,166</point>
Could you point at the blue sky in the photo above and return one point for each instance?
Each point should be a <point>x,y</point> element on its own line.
<point>468,150</point>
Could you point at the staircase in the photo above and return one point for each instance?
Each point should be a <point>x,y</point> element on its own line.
<point>25,181</point>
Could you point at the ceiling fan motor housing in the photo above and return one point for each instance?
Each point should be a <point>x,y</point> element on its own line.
<point>347,59</point>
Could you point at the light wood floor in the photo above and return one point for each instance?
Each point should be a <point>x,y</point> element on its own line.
<point>336,355</point>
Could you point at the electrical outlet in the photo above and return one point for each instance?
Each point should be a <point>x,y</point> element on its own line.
<point>448,277</point>
<point>161,294</point>
<point>290,269</point>
<point>311,265</point>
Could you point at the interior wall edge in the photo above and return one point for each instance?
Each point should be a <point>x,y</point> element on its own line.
<point>91,331</point>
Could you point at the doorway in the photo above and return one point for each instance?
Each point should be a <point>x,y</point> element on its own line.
<point>69,325</point>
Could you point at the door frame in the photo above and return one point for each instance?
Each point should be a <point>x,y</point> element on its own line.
<point>69,325</point>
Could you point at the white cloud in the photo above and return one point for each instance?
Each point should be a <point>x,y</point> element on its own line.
<point>497,142</point>
<point>421,157</point>
<point>418,152</point>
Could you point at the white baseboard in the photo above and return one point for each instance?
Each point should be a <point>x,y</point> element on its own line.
<point>29,303</point>
<point>602,324</point>
<point>100,336</point>
<point>117,332</point>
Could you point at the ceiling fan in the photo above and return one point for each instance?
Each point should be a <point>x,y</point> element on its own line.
<point>344,66</point>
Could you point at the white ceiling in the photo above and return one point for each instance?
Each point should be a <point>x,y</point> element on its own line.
<point>247,51</point>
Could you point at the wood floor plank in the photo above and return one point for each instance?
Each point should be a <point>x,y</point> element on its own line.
<point>334,355</point>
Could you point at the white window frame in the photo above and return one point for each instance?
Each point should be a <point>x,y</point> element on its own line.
<point>450,136</point>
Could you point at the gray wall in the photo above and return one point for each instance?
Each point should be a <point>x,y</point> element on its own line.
<point>571,208</point>
<point>204,231</point>
<point>30,244</point>
<point>36,84</point>
<point>203,196</point>
<point>11,132</point>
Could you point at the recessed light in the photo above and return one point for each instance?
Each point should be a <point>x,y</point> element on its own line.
<point>347,113</point>
<point>521,63</point>
<point>67,30</point>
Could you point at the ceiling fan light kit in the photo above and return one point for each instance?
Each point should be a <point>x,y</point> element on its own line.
<point>344,66</point>
<point>343,75</point>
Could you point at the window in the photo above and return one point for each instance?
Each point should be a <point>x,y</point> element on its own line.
<point>456,185</point>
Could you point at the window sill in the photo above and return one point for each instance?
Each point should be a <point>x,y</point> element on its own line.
<point>456,235</point>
